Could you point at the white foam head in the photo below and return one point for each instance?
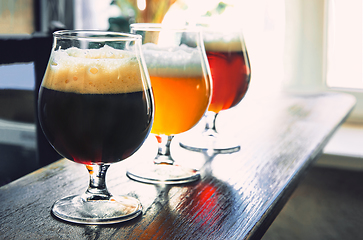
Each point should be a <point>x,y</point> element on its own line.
<point>104,70</point>
<point>181,61</point>
<point>223,41</point>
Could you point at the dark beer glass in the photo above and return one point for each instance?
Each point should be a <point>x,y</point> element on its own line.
<point>96,108</point>
<point>230,69</point>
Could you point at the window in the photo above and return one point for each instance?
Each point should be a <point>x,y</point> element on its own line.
<point>344,44</point>
<point>344,51</point>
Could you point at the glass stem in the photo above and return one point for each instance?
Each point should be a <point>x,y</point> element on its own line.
<point>97,189</point>
<point>210,125</point>
<point>164,156</point>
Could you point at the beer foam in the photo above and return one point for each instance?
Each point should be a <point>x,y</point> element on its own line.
<point>181,61</point>
<point>228,42</point>
<point>94,71</point>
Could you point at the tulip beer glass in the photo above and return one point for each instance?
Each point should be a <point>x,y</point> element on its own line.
<point>96,108</point>
<point>231,73</point>
<point>180,79</point>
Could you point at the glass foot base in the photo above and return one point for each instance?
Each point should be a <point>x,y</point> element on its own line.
<point>75,209</point>
<point>210,143</point>
<point>163,174</point>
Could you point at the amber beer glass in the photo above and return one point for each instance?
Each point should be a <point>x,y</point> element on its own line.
<point>180,78</point>
<point>231,73</point>
<point>187,94</point>
<point>96,108</point>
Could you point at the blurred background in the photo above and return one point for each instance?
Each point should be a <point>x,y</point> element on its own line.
<point>301,46</point>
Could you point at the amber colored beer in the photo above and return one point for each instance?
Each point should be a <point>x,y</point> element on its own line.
<point>181,87</point>
<point>231,76</point>
<point>179,103</point>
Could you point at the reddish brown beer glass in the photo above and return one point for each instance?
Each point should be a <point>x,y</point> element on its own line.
<point>231,73</point>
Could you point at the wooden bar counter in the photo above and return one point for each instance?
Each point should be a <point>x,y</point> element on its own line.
<point>237,197</point>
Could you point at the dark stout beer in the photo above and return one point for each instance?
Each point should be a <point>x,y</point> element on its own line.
<point>93,107</point>
<point>94,128</point>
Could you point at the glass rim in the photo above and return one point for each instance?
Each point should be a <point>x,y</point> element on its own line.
<point>160,26</point>
<point>96,35</point>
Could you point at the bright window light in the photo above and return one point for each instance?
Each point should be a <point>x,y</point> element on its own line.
<point>141,5</point>
<point>344,60</point>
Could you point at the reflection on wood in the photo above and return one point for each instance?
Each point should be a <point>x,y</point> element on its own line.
<point>238,196</point>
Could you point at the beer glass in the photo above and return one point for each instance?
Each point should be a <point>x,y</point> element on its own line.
<point>230,68</point>
<point>180,79</point>
<point>96,108</point>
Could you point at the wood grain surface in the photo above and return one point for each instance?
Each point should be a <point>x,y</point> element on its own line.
<point>238,196</point>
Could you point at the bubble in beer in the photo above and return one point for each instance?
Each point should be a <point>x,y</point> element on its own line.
<point>93,70</point>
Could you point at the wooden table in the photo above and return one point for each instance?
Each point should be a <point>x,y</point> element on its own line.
<point>238,196</point>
